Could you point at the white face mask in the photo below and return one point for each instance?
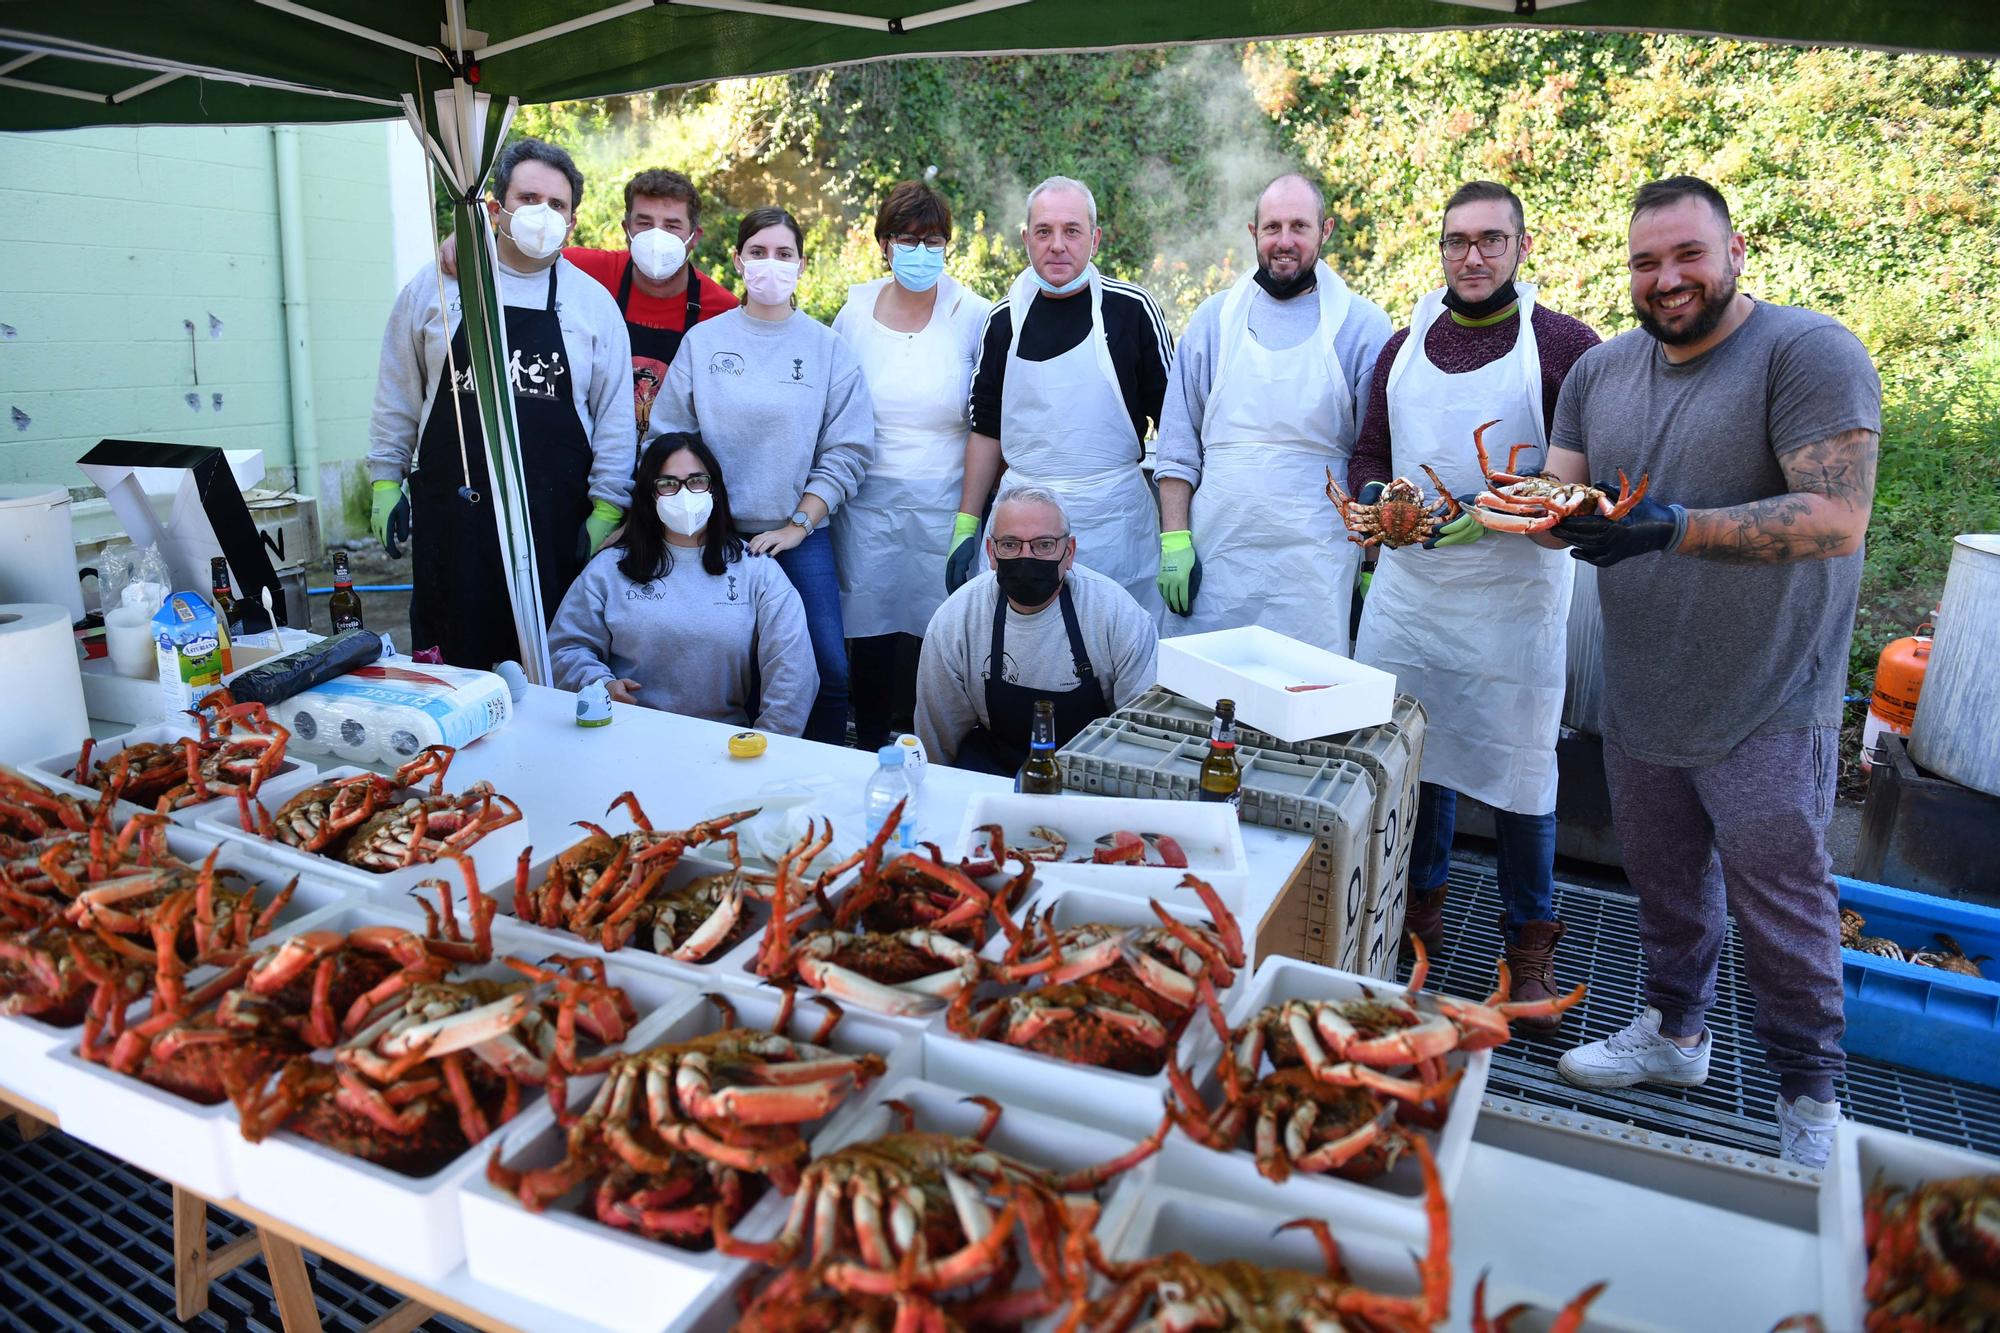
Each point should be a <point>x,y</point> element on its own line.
<point>684,512</point>
<point>659,254</point>
<point>771,281</point>
<point>537,230</point>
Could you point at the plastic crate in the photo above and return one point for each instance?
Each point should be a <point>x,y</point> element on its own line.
<point>1329,800</point>
<point>1923,1017</point>
<point>1392,753</point>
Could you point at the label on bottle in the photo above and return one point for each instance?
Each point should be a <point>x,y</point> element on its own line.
<point>1234,798</point>
<point>346,622</point>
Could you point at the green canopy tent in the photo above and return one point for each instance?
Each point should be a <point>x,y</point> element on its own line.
<point>457,68</point>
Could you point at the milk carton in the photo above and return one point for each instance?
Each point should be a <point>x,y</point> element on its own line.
<point>193,645</point>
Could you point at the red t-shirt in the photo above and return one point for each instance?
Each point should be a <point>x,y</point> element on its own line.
<point>654,312</point>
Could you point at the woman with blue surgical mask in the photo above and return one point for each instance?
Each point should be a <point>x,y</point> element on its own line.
<point>782,402</point>
<point>675,615</point>
<point>916,332</point>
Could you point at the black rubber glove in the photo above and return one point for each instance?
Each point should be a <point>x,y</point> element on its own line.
<point>399,529</point>
<point>1370,494</point>
<point>1650,526</point>
<point>958,568</point>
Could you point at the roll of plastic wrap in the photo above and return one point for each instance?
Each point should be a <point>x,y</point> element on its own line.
<point>40,678</point>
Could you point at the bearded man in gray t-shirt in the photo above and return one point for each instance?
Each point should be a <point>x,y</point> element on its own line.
<point>1728,596</point>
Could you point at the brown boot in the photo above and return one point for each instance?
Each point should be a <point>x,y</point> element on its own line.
<point>1424,918</point>
<point>1531,961</point>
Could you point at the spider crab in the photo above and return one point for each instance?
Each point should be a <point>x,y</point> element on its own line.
<point>28,810</point>
<point>236,751</point>
<point>902,972</point>
<point>678,1130</point>
<point>1516,502</point>
<point>925,892</point>
<point>1399,517</point>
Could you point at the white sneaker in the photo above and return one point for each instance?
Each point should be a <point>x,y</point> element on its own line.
<point>1637,1053</point>
<point>1805,1130</point>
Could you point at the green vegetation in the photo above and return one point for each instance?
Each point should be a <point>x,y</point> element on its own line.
<point>1868,186</point>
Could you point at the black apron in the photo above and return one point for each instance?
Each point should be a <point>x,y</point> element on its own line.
<point>458,601</point>
<point>653,349</point>
<point>1001,747</point>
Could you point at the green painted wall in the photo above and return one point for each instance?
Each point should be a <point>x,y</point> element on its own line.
<point>113,242</point>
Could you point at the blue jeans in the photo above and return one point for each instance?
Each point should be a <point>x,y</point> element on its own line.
<point>810,567</point>
<point>1527,854</point>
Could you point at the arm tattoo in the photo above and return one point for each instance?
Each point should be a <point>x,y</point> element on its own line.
<point>1824,513</point>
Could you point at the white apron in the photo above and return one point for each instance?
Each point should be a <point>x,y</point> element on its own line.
<point>1273,552</point>
<point>1064,426</point>
<point>889,540</point>
<point>1474,632</point>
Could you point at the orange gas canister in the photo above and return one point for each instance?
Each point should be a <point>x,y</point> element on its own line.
<point>1899,679</point>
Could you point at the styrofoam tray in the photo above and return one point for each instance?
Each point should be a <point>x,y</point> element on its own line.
<point>175,728</point>
<point>637,1285</point>
<point>1862,1155</point>
<point>407,1223</point>
<point>493,856</point>
<point>1209,833</point>
<point>1392,1202</point>
<point>1127,1103</point>
<point>1256,666</point>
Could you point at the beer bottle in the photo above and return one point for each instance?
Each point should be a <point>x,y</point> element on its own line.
<point>1221,775</point>
<point>226,609</point>
<point>1041,771</point>
<point>345,604</point>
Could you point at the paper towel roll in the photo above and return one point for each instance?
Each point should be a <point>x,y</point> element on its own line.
<point>40,679</point>
<point>37,547</point>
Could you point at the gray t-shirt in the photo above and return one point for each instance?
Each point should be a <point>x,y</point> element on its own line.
<point>696,642</point>
<point>1119,638</point>
<point>1700,655</point>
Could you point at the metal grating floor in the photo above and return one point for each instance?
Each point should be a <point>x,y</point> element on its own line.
<point>86,1242</point>
<point>1735,1106</point>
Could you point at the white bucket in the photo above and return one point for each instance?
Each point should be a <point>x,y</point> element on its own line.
<point>1957,729</point>
<point>37,549</point>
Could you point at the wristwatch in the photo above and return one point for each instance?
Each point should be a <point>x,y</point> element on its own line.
<point>803,519</point>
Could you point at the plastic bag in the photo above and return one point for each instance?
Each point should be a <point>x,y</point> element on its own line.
<point>785,808</point>
<point>114,574</point>
<point>151,581</point>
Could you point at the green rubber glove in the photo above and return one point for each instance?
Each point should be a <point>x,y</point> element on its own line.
<point>1367,578</point>
<point>381,504</point>
<point>1180,571</point>
<point>604,516</point>
<point>958,564</point>
<point>1461,531</point>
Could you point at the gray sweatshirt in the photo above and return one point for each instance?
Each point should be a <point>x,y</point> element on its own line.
<point>598,349</point>
<point>1276,325</point>
<point>1118,637</point>
<point>782,403</point>
<point>693,640</point>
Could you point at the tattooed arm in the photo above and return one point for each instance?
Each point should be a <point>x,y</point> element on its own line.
<point>1823,515</point>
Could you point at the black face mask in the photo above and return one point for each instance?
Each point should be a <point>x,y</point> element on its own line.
<point>1502,297</point>
<point>1029,581</point>
<point>1284,289</point>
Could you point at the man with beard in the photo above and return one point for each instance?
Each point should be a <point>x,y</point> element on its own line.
<point>1266,393</point>
<point>1476,629</point>
<point>1729,597</point>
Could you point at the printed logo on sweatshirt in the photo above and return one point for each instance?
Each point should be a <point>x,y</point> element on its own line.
<point>730,593</point>
<point>645,592</point>
<point>725,363</point>
<point>1010,670</point>
<point>798,375</point>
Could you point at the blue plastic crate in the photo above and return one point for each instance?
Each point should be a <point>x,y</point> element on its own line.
<point>1923,1017</point>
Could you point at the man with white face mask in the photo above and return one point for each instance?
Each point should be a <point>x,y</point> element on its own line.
<point>1072,367</point>
<point>570,366</point>
<point>1267,390</point>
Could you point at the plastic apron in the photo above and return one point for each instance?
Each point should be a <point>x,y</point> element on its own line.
<point>1065,427</point>
<point>890,538</point>
<point>1272,551</point>
<point>1475,632</point>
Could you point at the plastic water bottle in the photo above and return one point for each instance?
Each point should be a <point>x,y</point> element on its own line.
<point>889,785</point>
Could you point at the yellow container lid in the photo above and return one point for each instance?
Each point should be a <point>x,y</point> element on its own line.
<point>748,744</point>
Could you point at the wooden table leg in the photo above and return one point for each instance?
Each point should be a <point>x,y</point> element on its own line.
<point>405,1317</point>
<point>195,1265</point>
<point>28,1126</point>
<point>291,1284</point>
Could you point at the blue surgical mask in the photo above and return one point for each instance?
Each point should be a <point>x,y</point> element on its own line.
<point>917,268</point>
<point>1072,285</point>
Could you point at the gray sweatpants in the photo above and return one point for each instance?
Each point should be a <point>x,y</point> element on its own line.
<point>1747,834</point>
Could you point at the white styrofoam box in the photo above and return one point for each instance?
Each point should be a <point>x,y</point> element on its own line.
<point>493,856</point>
<point>1392,1202</point>
<point>1257,667</point>
<point>638,1285</point>
<point>1864,1155</point>
<point>111,696</point>
<point>1209,833</point>
<point>1128,1103</point>
<point>178,727</point>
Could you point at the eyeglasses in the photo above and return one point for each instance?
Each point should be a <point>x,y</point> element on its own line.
<point>934,244</point>
<point>698,483</point>
<point>1042,548</point>
<point>1493,244</point>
